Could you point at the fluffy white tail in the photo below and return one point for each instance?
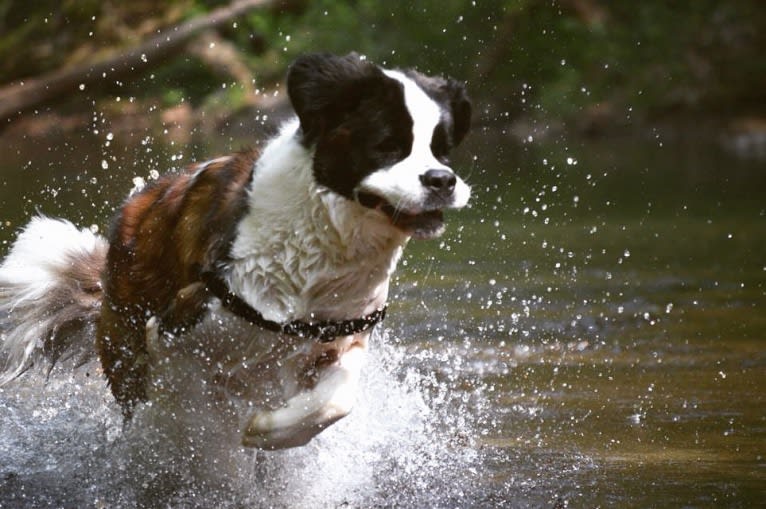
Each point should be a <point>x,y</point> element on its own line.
<point>50,295</point>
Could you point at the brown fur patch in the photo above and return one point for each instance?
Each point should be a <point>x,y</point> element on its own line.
<point>162,240</point>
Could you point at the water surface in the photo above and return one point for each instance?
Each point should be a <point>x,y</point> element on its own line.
<point>590,333</point>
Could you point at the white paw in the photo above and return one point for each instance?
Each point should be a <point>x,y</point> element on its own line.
<point>309,412</point>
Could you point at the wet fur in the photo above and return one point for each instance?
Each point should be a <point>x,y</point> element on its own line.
<point>310,228</point>
<point>162,241</point>
<point>49,305</point>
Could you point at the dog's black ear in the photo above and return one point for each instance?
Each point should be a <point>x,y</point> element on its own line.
<point>461,109</point>
<point>325,88</point>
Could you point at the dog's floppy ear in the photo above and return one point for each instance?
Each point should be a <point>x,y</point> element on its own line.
<point>461,109</point>
<point>324,88</point>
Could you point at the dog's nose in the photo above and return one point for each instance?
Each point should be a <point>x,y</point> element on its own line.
<point>440,181</point>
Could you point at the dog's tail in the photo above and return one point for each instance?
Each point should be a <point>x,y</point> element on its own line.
<point>50,295</point>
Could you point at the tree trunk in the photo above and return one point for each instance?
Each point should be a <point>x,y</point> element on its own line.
<point>25,94</point>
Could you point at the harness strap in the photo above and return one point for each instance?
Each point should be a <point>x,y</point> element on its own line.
<point>323,331</point>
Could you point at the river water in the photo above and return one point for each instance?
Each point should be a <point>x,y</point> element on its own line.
<point>590,333</point>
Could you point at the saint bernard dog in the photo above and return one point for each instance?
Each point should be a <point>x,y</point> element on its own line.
<point>240,294</point>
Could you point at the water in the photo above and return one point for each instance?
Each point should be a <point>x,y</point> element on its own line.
<point>591,333</point>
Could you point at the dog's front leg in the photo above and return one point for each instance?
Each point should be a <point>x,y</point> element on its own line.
<point>311,410</point>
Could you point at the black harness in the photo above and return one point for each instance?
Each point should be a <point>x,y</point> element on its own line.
<point>323,331</point>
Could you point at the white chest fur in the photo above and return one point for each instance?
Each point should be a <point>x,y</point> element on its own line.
<point>302,252</point>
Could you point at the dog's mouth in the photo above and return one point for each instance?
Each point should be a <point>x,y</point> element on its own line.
<point>425,224</point>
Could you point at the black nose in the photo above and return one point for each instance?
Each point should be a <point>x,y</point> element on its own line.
<point>441,181</point>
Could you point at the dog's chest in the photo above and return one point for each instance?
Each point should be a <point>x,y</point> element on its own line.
<point>306,257</point>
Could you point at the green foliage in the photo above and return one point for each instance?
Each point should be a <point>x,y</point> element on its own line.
<point>538,57</point>
<point>184,79</point>
<point>34,35</point>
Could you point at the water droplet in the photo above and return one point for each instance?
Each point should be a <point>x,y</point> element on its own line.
<point>138,184</point>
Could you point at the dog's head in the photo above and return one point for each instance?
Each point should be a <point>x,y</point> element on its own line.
<point>382,137</point>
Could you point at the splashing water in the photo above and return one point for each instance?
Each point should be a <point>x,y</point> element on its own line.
<point>405,444</point>
<point>393,449</point>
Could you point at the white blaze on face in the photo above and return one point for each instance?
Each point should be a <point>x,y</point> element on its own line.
<point>400,184</point>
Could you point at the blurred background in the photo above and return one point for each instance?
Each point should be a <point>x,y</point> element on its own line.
<point>591,332</point>
<point>588,66</point>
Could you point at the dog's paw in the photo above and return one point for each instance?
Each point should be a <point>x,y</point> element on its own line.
<point>307,413</point>
<point>266,431</point>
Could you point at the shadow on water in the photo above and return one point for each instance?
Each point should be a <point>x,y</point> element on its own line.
<point>590,333</point>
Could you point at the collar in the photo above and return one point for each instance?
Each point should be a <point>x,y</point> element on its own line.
<point>323,331</point>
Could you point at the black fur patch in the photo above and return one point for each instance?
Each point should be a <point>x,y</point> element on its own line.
<point>357,118</point>
<point>456,107</point>
<point>355,115</point>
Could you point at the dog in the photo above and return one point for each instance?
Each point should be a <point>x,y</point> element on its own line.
<point>240,293</point>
